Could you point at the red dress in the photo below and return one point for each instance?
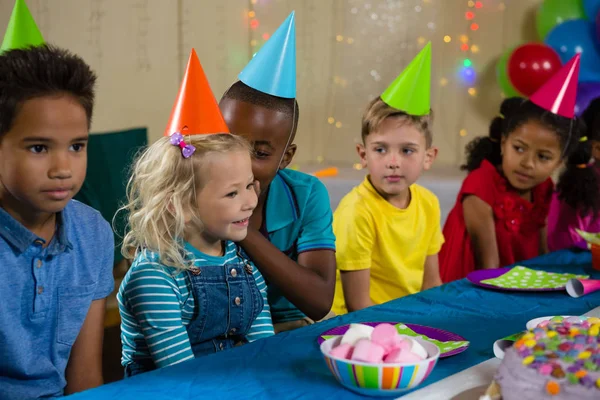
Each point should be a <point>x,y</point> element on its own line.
<point>518,222</point>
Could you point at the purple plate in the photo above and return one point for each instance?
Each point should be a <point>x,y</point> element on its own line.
<point>476,277</point>
<point>432,333</point>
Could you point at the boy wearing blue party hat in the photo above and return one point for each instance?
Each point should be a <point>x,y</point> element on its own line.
<point>56,253</point>
<point>290,237</point>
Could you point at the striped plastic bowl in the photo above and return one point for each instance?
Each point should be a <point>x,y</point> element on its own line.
<point>379,379</point>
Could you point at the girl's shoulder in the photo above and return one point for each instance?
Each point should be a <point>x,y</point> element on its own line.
<point>147,261</point>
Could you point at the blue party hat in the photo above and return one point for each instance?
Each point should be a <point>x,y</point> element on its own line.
<point>273,68</point>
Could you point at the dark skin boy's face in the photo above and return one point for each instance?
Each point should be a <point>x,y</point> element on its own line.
<point>267,130</point>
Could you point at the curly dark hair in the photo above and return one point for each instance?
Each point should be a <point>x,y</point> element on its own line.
<point>42,71</point>
<point>514,112</point>
<point>579,184</point>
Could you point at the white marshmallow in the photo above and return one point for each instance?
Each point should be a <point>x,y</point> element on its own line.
<point>355,333</point>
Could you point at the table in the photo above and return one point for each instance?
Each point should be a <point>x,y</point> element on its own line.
<point>290,366</point>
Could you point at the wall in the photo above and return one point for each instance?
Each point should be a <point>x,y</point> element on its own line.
<point>348,52</point>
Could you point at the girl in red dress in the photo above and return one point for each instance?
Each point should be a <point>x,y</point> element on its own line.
<point>500,213</point>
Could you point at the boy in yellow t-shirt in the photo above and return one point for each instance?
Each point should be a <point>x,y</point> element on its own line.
<point>388,228</point>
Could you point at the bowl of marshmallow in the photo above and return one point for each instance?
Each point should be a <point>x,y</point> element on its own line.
<point>379,361</point>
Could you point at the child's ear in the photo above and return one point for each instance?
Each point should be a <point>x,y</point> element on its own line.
<point>430,156</point>
<point>288,156</point>
<point>362,153</point>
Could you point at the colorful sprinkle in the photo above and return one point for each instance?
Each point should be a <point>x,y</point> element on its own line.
<point>553,387</point>
<point>530,343</point>
<point>558,373</point>
<point>545,369</point>
<point>580,374</point>
<point>528,360</point>
<point>584,355</point>
<point>551,334</point>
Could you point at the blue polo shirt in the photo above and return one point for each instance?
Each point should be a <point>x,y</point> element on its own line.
<point>298,218</point>
<point>45,294</point>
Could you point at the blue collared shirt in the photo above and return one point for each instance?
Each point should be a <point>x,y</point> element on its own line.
<point>298,218</point>
<point>45,294</point>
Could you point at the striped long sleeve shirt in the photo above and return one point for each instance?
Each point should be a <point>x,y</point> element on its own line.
<point>156,304</point>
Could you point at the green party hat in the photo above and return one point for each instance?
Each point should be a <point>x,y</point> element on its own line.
<point>410,90</point>
<point>22,32</point>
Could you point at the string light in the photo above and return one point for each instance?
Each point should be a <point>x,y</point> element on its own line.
<point>254,23</point>
<point>463,132</point>
<point>253,1</point>
<point>253,42</point>
<point>464,38</point>
<point>339,38</point>
<point>338,124</point>
<point>469,15</point>
<point>472,92</point>
<point>266,36</point>
<point>421,40</point>
<point>464,47</point>
<point>330,120</point>
<point>447,39</point>
<point>251,14</point>
<point>478,4</point>
<point>443,82</point>
<point>471,3</point>
<point>474,26</point>
<point>474,49</point>
<point>357,166</point>
<point>467,62</point>
<point>320,159</point>
<point>350,40</point>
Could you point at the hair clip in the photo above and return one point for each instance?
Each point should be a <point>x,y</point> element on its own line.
<point>186,149</point>
<point>501,115</point>
<point>583,139</point>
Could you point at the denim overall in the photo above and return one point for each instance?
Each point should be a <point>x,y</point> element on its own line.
<point>228,301</point>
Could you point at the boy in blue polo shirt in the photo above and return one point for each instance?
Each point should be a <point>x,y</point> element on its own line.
<point>56,254</point>
<point>290,238</point>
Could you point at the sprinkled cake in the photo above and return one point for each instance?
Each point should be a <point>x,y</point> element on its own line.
<point>559,359</point>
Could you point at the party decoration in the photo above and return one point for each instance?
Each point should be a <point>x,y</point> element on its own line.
<point>573,37</point>
<point>196,111</point>
<point>522,277</point>
<point>531,65</point>
<point>580,287</point>
<point>502,76</point>
<point>410,91</point>
<point>552,13</point>
<point>21,32</point>
<point>558,94</point>
<point>586,92</point>
<point>273,69</point>
<point>592,8</point>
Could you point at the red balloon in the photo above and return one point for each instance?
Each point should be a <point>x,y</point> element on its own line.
<point>531,65</point>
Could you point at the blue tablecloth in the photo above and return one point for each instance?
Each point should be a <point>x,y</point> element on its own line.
<point>290,366</point>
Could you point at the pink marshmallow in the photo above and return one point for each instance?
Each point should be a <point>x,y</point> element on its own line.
<point>342,351</point>
<point>402,356</point>
<point>386,336</point>
<point>367,351</point>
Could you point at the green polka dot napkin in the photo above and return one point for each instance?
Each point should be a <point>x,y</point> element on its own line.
<point>525,278</point>
<point>445,347</point>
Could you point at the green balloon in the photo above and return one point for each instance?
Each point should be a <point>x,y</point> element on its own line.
<point>555,12</point>
<point>502,75</point>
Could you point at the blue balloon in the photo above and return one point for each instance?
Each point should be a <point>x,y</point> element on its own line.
<point>577,36</point>
<point>591,7</point>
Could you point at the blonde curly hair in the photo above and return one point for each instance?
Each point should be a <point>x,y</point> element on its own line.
<point>161,196</point>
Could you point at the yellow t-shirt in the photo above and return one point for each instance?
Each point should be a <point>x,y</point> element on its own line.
<point>393,243</point>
